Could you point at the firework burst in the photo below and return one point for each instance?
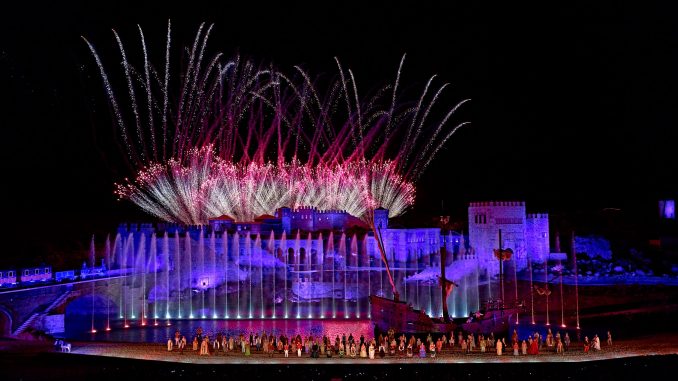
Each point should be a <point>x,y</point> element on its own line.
<point>244,140</point>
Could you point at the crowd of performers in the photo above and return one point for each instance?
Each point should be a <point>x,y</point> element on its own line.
<point>381,346</point>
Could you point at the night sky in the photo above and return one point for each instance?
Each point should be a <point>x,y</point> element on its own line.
<point>573,109</point>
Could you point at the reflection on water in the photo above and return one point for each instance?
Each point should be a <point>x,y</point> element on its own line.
<point>78,329</point>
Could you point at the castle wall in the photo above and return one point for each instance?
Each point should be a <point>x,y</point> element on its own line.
<point>485,221</point>
<point>537,235</point>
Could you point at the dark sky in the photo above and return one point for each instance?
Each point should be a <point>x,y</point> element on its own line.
<point>573,108</point>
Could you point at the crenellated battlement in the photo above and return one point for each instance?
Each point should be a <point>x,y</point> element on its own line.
<point>537,215</point>
<point>331,211</point>
<point>497,203</point>
<point>304,209</point>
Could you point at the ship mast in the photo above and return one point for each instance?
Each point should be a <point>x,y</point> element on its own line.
<point>382,252</point>
<point>501,268</point>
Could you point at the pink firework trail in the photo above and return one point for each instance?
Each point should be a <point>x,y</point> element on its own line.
<point>243,140</point>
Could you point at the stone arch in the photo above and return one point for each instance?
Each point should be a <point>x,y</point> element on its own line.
<point>78,312</point>
<point>290,256</point>
<point>5,322</point>
<point>302,258</point>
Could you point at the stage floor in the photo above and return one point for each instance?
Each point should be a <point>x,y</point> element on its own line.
<point>649,346</point>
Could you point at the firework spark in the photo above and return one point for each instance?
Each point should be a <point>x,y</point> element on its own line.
<point>244,140</point>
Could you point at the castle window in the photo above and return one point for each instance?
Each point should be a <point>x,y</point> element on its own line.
<point>26,272</point>
<point>37,271</point>
<point>46,270</point>
<point>543,235</point>
<point>10,274</point>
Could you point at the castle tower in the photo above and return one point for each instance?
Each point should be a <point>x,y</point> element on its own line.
<point>285,215</point>
<point>537,229</point>
<point>381,219</point>
<point>485,219</point>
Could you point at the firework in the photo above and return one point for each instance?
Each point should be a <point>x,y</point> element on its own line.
<point>244,140</point>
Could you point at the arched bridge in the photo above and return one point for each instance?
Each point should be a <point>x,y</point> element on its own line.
<point>44,307</point>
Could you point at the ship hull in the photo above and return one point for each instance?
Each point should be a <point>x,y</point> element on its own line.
<point>387,314</point>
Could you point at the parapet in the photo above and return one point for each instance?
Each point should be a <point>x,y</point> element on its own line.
<point>497,203</point>
<point>537,215</point>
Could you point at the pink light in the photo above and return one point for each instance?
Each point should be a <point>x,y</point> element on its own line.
<point>244,163</point>
<point>126,325</point>
<point>93,331</point>
<point>108,329</point>
<point>237,189</point>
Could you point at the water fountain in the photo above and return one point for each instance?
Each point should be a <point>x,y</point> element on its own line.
<point>92,255</point>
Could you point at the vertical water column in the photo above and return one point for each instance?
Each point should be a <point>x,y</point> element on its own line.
<point>562,297</point>
<point>117,255</point>
<point>356,256</point>
<point>272,252</point>
<point>342,254</point>
<point>283,248</point>
<point>166,260</point>
<point>107,253</point>
<point>119,260</point>
<point>546,287</point>
<point>296,259</point>
<point>213,274</point>
<point>225,256</point>
<point>576,277</point>
<point>124,295</point>
<point>248,254</point>
<point>307,265</point>
<point>201,270</point>
<point>258,255</point>
<point>154,267</point>
<point>515,282</point>
<point>417,259</point>
<point>236,253</point>
<point>368,265</point>
<point>177,270</point>
<point>320,256</point>
<point>141,270</point>
<point>429,294</point>
<point>330,252</point>
<point>92,255</point>
<point>189,259</point>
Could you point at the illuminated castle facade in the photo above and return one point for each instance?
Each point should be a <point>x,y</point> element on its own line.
<point>308,263</point>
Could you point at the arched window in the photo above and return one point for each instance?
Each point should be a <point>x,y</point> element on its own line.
<point>302,258</point>
<point>290,255</point>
